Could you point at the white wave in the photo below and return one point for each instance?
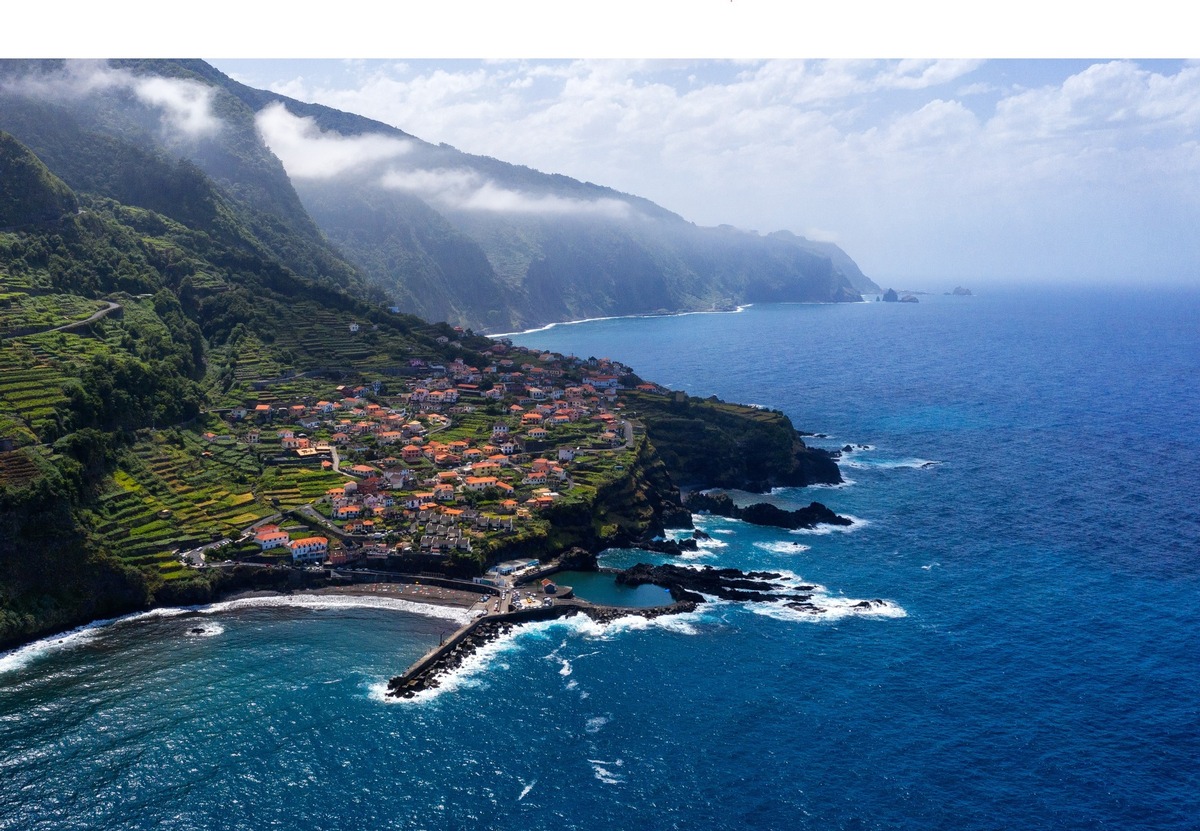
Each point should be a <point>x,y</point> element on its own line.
<point>550,326</point>
<point>825,607</point>
<point>24,655</point>
<point>604,774</point>
<point>783,547</point>
<point>856,524</point>
<point>914,464</point>
<point>704,521</point>
<point>163,611</point>
<point>928,567</point>
<point>321,602</point>
<point>683,623</point>
<point>572,684</point>
<point>596,724</point>
<point>711,544</point>
<point>566,668</point>
<point>846,482</point>
<point>525,791</point>
<point>208,630</point>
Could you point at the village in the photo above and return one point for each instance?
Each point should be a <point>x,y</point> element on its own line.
<point>442,464</point>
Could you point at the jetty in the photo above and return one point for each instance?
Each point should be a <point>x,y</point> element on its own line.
<point>427,671</point>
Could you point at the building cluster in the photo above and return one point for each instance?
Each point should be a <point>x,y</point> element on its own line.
<point>418,486</point>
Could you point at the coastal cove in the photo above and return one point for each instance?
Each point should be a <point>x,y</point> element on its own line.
<point>1023,498</point>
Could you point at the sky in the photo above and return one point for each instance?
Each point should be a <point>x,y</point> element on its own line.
<point>927,172</point>
<point>1040,164</point>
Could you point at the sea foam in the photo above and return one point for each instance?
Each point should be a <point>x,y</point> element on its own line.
<point>783,547</point>
<point>856,524</point>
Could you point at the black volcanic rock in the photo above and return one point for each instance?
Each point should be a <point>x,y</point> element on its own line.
<point>725,583</point>
<point>578,559</point>
<point>764,513</point>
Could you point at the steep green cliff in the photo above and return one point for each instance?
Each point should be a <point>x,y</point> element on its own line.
<point>707,443</point>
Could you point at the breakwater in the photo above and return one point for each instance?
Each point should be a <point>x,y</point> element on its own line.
<point>427,671</point>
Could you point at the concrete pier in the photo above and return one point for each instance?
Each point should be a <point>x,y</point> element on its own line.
<point>447,656</point>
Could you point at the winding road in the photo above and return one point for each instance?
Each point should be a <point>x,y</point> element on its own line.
<point>105,312</point>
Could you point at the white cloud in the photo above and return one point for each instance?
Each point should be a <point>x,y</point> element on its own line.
<point>307,152</point>
<point>467,190</point>
<point>184,105</point>
<point>187,105</point>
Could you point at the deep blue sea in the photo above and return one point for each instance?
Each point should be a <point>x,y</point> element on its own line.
<point>1037,665</point>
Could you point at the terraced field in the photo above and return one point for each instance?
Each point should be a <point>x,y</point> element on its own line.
<point>20,312</point>
<point>31,387</point>
<point>176,490</point>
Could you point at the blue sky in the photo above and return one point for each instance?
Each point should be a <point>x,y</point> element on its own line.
<point>925,171</point>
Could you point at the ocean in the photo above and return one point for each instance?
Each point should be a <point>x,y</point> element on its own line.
<point>1027,504</point>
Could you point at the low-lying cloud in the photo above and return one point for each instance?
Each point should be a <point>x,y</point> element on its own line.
<point>308,152</point>
<point>185,106</point>
<point>466,190</point>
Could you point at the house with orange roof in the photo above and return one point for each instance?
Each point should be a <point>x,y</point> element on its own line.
<point>309,549</point>
<point>270,536</point>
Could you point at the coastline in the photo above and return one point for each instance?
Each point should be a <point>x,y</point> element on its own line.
<point>740,308</point>
<point>453,601</point>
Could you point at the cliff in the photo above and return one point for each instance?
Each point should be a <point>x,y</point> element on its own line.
<point>709,443</point>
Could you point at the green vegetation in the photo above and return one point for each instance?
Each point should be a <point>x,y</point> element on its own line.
<point>712,443</point>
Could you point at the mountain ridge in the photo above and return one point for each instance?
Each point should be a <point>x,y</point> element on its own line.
<point>455,236</point>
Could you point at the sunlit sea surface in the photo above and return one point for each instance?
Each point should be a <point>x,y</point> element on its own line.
<point>1029,508</point>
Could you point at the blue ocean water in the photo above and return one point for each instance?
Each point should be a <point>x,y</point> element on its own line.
<point>1035,666</point>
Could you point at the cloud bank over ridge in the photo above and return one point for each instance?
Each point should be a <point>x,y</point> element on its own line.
<point>308,152</point>
<point>1063,170</point>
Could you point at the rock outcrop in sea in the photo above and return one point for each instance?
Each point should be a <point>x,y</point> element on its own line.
<point>764,513</point>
